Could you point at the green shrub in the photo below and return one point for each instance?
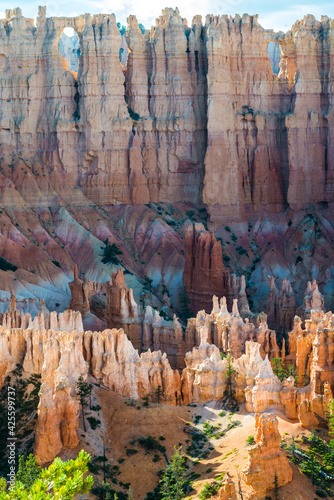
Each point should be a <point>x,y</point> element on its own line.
<point>250,440</point>
<point>209,490</point>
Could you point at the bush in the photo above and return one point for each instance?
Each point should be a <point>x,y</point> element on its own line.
<point>209,490</point>
<point>131,452</point>
<point>151,443</point>
<point>94,422</point>
<point>6,266</point>
<point>321,493</point>
<point>250,440</point>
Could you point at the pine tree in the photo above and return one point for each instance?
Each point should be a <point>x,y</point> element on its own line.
<point>173,481</point>
<point>276,487</point>
<point>158,394</point>
<point>28,470</point>
<point>330,416</point>
<point>230,372</point>
<point>278,368</point>
<point>293,447</point>
<point>59,480</point>
<point>185,311</point>
<point>110,253</point>
<point>146,400</point>
<point>84,391</point>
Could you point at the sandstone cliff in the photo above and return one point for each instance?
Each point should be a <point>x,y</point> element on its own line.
<point>187,96</point>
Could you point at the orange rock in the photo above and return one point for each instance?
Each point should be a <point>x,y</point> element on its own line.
<point>266,458</point>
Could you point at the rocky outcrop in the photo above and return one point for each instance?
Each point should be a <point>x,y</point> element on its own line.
<point>58,409</point>
<point>115,362</point>
<point>205,274</point>
<point>229,332</point>
<point>281,306</point>
<point>266,459</point>
<point>204,378</point>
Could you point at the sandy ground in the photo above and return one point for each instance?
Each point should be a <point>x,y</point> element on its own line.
<point>122,424</point>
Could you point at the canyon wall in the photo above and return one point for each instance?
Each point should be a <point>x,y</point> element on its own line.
<point>196,115</point>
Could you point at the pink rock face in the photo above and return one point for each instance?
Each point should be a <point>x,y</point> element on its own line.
<point>204,274</point>
<point>195,109</point>
<point>270,145</point>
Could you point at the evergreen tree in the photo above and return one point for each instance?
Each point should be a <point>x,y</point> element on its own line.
<point>276,487</point>
<point>173,482</point>
<point>292,372</point>
<point>28,470</point>
<point>185,311</point>
<point>146,400</point>
<point>278,368</point>
<point>293,447</point>
<point>230,373</point>
<point>84,391</point>
<point>110,253</point>
<point>158,394</point>
<point>62,480</point>
<point>330,416</point>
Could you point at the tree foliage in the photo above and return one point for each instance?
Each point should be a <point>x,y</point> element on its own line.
<point>173,482</point>
<point>159,394</point>
<point>84,391</point>
<point>110,253</point>
<point>60,481</point>
<point>28,470</point>
<point>278,368</point>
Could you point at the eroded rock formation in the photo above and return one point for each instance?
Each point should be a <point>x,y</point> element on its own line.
<point>266,458</point>
<point>145,132</point>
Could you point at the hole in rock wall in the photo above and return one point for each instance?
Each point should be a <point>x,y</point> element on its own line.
<point>69,48</point>
<point>274,54</point>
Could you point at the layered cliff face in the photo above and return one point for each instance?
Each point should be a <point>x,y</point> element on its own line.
<point>128,139</point>
<point>268,136</point>
<point>194,107</point>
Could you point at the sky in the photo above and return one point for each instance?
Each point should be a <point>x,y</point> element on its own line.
<point>276,15</point>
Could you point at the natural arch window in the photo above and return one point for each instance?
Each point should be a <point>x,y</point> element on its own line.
<point>274,54</point>
<point>69,48</point>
